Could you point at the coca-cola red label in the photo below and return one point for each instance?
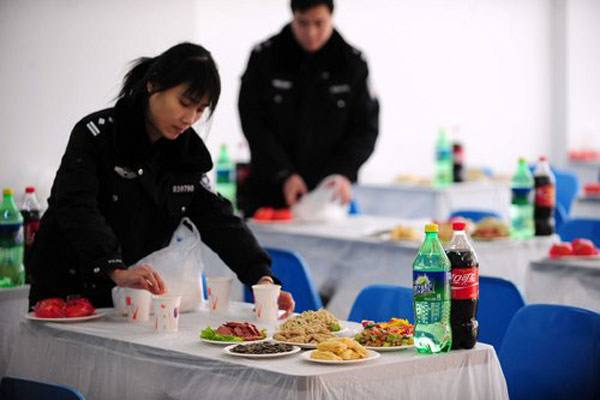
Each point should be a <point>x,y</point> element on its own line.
<point>545,196</point>
<point>30,230</point>
<point>465,283</point>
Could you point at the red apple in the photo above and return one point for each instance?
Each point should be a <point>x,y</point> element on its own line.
<point>264,214</point>
<point>584,247</point>
<point>50,308</point>
<point>561,249</point>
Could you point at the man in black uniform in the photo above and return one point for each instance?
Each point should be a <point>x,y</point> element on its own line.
<point>306,110</point>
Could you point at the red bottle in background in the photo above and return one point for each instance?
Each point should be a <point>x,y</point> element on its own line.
<point>545,198</point>
<point>465,289</point>
<point>458,162</point>
<point>30,210</point>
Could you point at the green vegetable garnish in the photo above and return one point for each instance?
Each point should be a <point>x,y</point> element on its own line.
<point>210,334</point>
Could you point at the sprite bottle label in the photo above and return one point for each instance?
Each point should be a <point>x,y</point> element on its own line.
<point>431,285</point>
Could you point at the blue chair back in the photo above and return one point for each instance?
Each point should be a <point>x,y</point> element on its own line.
<point>380,303</point>
<point>552,352</point>
<point>499,300</point>
<point>474,215</point>
<point>588,228</point>
<point>560,216</point>
<point>295,277</point>
<point>567,187</point>
<point>354,208</point>
<point>23,389</point>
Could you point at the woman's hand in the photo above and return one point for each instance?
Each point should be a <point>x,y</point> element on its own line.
<point>141,277</point>
<point>285,300</point>
<point>342,188</point>
<point>293,189</point>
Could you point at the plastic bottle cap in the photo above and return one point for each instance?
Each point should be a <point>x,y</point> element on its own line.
<point>30,189</point>
<point>458,226</point>
<point>8,191</point>
<point>431,228</point>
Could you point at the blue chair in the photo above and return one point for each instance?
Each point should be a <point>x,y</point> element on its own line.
<point>22,389</point>
<point>588,228</point>
<point>295,277</point>
<point>567,187</point>
<point>354,208</point>
<point>382,302</point>
<point>499,300</point>
<point>474,215</point>
<point>560,216</point>
<point>552,352</point>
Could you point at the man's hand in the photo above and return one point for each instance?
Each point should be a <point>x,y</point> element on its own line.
<point>294,188</point>
<point>141,277</point>
<point>285,300</point>
<point>342,188</point>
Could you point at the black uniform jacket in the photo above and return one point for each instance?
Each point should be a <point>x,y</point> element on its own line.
<point>117,197</point>
<point>311,114</point>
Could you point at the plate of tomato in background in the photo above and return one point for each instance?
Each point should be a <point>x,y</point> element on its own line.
<point>577,249</point>
<point>269,215</point>
<point>75,309</point>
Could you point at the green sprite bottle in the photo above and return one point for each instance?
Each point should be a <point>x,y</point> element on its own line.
<point>431,295</point>
<point>225,170</point>
<point>521,207</point>
<point>12,272</point>
<point>444,166</point>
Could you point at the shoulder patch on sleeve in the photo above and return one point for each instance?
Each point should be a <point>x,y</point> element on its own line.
<point>93,128</point>
<point>205,182</point>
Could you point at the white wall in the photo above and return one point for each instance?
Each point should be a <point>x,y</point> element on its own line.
<point>480,64</point>
<point>583,38</point>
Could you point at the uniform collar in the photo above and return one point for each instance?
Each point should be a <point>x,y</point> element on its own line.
<point>331,56</point>
<point>186,153</point>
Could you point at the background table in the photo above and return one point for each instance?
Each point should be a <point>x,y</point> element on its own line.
<point>586,171</point>
<point>573,282</point>
<point>115,359</point>
<point>414,201</point>
<point>586,207</point>
<point>345,256</point>
<point>13,306</point>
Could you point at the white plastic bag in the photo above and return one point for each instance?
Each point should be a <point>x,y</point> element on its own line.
<point>179,265</point>
<point>320,205</point>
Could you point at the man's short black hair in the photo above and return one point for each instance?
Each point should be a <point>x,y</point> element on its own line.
<point>304,5</point>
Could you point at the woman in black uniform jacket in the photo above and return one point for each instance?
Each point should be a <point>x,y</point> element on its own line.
<point>129,175</point>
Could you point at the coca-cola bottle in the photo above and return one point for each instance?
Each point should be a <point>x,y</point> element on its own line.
<point>465,289</point>
<point>545,198</point>
<point>458,160</point>
<point>30,209</point>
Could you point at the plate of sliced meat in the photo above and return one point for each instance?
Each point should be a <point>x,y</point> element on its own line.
<point>232,332</point>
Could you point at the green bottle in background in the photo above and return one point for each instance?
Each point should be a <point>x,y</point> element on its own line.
<point>431,295</point>
<point>225,171</point>
<point>521,207</point>
<point>12,272</point>
<point>444,166</point>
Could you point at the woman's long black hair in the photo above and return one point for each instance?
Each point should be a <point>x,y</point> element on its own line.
<point>186,63</point>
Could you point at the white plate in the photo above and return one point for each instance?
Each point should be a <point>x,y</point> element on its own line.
<point>344,329</point>
<point>371,355</point>
<point>98,314</point>
<point>389,348</point>
<point>222,343</point>
<point>227,350</point>
<point>301,345</point>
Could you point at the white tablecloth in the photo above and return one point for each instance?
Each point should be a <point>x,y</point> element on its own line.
<point>586,207</point>
<point>573,282</point>
<point>413,201</point>
<point>345,256</point>
<point>13,306</point>
<point>114,359</point>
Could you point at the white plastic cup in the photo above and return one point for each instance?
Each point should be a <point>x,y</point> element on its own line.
<point>265,302</point>
<point>137,304</point>
<point>218,293</point>
<point>166,313</point>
